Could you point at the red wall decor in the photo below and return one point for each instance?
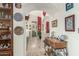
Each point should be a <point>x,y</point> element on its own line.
<point>39,24</point>
<point>47,27</point>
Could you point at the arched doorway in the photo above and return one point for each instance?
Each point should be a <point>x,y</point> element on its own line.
<point>35,46</point>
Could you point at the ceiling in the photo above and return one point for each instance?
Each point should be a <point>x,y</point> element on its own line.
<point>50,8</point>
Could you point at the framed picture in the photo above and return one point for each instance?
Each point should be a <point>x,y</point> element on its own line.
<point>29,27</point>
<point>54,23</point>
<point>27,17</point>
<point>26,26</point>
<point>70,23</point>
<point>69,6</point>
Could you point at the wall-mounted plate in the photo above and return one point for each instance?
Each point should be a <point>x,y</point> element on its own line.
<point>18,30</point>
<point>18,16</point>
<point>18,5</point>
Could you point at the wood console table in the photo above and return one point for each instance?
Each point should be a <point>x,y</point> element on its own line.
<point>55,44</point>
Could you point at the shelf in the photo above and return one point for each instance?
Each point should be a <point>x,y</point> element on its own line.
<point>5,49</point>
<point>4,19</point>
<point>5,8</point>
<point>4,29</point>
<point>4,39</point>
<point>7,11</point>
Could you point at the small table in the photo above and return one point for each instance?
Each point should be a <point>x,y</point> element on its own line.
<point>56,44</point>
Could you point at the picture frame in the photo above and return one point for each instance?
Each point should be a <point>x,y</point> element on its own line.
<point>69,6</point>
<point>27,17</point>
<point>70,23</point>
<point>54,23</point>
<point>26,26</point>
<point>29,27</point>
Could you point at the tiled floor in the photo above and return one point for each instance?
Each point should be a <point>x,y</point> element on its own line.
<point>35,47</point>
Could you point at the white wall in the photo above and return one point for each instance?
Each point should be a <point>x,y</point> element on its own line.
<point>73,37</point>
<point>19,40</point>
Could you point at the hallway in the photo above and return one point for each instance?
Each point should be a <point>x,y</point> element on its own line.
<point>39,29</point>
<point>35,47</point>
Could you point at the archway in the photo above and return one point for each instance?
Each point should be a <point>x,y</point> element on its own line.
<point>35,46</point>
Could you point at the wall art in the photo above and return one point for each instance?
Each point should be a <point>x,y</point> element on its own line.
<point>30,27</point>
<point>34,25</point>
<point>18,16</point>
<point>26,26</point>
<point>18,30</point>
<point>27,17</point>
<point>54,23</point>
<point>69,6</point>
<point>47,27</point>
<point>70,23</point>
<point>18,5</point>
<point>78,30</point>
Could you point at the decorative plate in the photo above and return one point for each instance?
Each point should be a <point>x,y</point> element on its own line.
<point>18,16</point>
<point>19,30</point>
<point>18,5</point>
